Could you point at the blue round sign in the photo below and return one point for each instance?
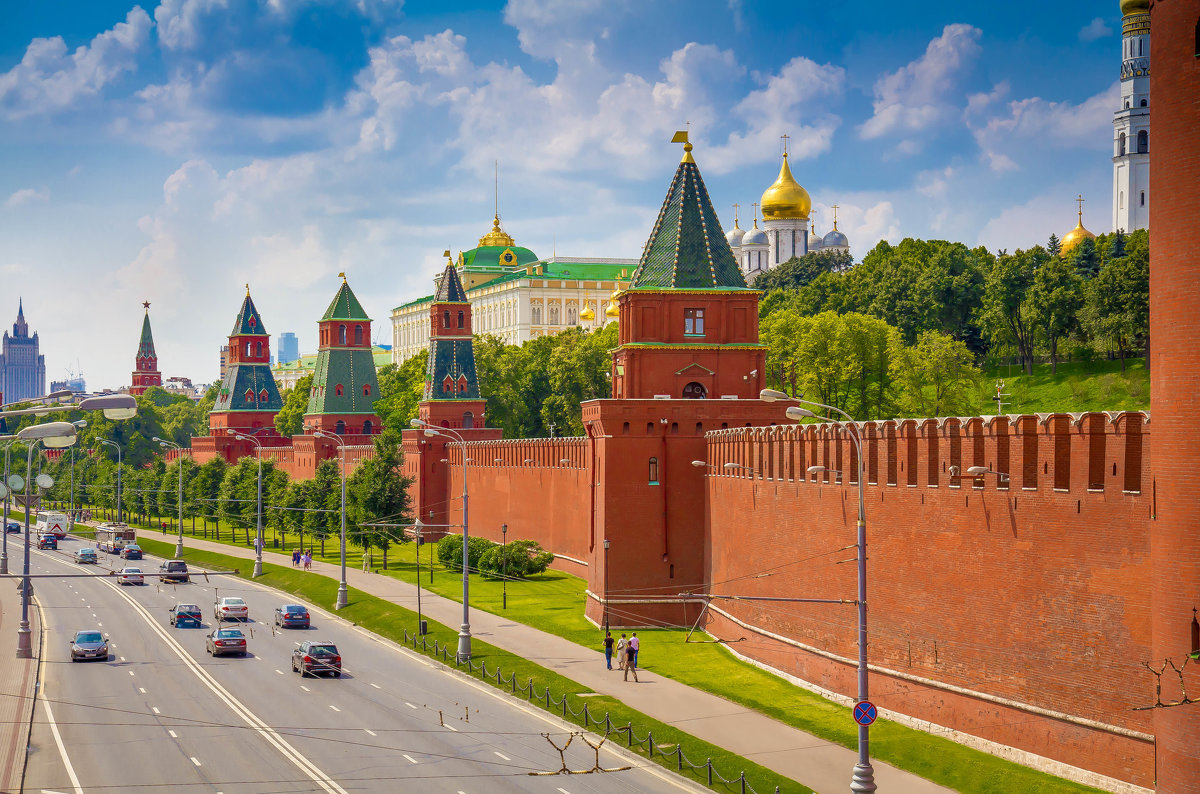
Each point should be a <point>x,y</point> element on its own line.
<point>865,713</point>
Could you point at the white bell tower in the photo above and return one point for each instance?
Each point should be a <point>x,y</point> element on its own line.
<point>1131,123</point>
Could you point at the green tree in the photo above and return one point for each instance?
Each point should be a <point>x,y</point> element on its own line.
<point>1006,312</point>
<point>798,272</point>
<point>1118,303</point>
<point>1116,245</point>
<point>1053,245</point>
<point>1055,298</point>
<point>519,559</point>
<point>400,390</point>
<point>1085,258</point>
<point>290,419</point>
<point>378,491</point>
<point>937,376</point>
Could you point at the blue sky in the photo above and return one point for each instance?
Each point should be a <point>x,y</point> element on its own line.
<point>174,152</point>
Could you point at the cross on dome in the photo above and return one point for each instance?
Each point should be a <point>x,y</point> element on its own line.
<point>785,137</point>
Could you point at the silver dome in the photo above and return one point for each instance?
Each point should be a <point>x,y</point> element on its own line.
<point>734,236</point>
<point>755,236</point>
<point>835,239</point>
<point>814,241</point>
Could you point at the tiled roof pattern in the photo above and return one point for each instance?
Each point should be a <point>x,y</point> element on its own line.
<point>353,368</point>
<point>248,322</point>
<point>450,288</point>
<point>345,306</point>
<point>242,378</point>
<point>146,343</point>
<point>453,358</point>
<point>687,248</point>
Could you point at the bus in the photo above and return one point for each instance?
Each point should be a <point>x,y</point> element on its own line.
<point>49,523</point>
<point>113,537</point>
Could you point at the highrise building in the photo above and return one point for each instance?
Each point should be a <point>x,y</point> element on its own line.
<point>1131,124</point>
<point>22,366</point>
<point>289,348</point>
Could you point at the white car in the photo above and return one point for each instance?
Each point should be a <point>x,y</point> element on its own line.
<point>231,609</point>
<point>130,576</point>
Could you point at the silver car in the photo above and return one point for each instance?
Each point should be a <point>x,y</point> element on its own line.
<point>130,576</point>
<point>89,644</point>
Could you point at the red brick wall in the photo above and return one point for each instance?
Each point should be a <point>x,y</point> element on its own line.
<point>1175,374</point>
<point>1012,589</point>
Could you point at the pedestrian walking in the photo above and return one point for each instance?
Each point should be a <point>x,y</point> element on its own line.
<point>295,558</point>
<point>367,560</point>
<point>629,665</point>
<point>621,645</point>
<point>308,560</point>
<point>636,645</point>
<point>608,649</point>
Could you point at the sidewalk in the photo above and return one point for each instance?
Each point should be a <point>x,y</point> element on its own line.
<point>20,675</point>
<point>818,764</point>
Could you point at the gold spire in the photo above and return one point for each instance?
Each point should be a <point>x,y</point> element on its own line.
<point>835,209</point>
<point>343,277</point>
<point>1078,234</point>
<point>496,236</point>
<point>736,207</point>
<point>681,136</point>
<point>786,199</point>
<point>247,289</point>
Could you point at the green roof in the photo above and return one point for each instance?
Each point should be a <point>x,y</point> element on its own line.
<point>248,322</point>
<point>345,306</point>
<point>488,257</point>
<point>352,369</point>
<point>248,387</point>
<point>146,343</point>
<point>687,248</point>
<point>450,288</point>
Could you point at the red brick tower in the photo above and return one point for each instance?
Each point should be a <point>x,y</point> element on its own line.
<point>145,373</point>
<point>1175,379</point>
<point>345,387</point>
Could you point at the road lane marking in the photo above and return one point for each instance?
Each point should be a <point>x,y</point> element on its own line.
<point>451,727</point>
<point>335,708</point>
<point>196,761</point>
<point>99,624</point>
<point>502,755</point>
<point>172,734</point>
<point>142,689</point>
<point>122,658</point>
<point>411,706</point>
<point>368,730</point>
<point>410,759</point>
<point>130,672</point>
<point>306,689</point>
<point>279,671</point>
<point>377,686</point>
<point>62,750</point>
<point>155,710</point>
<point>563,790</point>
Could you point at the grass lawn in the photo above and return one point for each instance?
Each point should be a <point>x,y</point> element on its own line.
<point>1078,386</point>
<point>554,602</point>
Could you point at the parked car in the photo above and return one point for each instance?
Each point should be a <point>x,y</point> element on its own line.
<point>222,641</point>
<point>130,576</point>
<point>185,615</point>
<point>89,644</point>
<point>173,571</point>
<point>230,608</point>
<point>12,526</point>
<point>291,616</point>
<point>312,657</point>
<point>86,556</point>
<point>131,551</point>
<point>48,542</point>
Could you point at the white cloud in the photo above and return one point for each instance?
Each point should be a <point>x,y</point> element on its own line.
<point>27,196</point>
<point>919,95</point>
<point>50,79</point>
<point>1096,29</point>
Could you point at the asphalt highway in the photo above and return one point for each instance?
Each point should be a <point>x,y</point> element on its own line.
<point>162,715</point>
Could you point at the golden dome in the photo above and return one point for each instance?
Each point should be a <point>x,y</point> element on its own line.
<point>785,198</point>
<point>613,310</point>
<point>496,236</point>
<point>1075,236</point>
<point>587,313</point>
<point>1134,7</point>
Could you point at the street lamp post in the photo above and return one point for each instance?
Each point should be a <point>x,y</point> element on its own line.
<point>52,435</point>
<point>606,586</point>
<point>7,494</point>
<point>504,565</point>
<point>178,462</point>
<point>464,633</point>
<point>863,779</point>
<point>343,592</point>
<point>258,535</point>
<point>118,448</point>
<point>419,530</point>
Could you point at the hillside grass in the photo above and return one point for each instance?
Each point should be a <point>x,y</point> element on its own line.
<point>1078,386</point>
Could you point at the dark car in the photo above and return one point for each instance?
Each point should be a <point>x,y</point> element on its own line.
<point>86,556</point>
<point>185,615</point>
<point>89,644</point>
<point>131,552</point>
<point>291,616</point>
<point>173,571</point>
<point>48,542</point>
<point>222,641</point>
<point>12,526</point>
<point>312,657</point>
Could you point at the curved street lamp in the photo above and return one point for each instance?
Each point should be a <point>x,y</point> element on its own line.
<point>258,535</point>
<point>343,593</point>
<point>179,462</point>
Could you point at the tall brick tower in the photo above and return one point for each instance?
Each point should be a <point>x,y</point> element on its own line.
<point>1175,380</point>
<point>248,398</point>
<point>145,373</point>
<point>344,388</point>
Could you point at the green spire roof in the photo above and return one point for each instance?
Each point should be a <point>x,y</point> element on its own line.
<point>248,322</point>
<point>146,344</point>
<point>687,249</point>
<point>450,288</point>
<point>345,306</point>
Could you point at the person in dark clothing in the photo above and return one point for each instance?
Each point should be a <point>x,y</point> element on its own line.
<point>608,649</point>
<point>629,665</point>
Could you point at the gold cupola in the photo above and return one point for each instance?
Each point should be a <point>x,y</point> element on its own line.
<point>1076,235</point>
<point>587,313</point>
<point>1134,7</point>
<point>613,309</point>
<point>785,199</point>
<point>497,236</point>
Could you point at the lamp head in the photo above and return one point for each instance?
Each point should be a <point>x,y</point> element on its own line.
<point>771,395</point>
<point>815,469</point>
<point>114,406</point>
<point>977,471</point>
<point>414,422</point>
<point>796,412</point>
<point>731,466</point>
<point>431,433</point>
<point>699,463</point>
<point>53,435</point>
<point>80,423</point>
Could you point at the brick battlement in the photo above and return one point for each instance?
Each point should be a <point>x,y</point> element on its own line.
<point>544,453</point>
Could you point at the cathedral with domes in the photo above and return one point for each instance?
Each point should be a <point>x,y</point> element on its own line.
<point>787,228</point>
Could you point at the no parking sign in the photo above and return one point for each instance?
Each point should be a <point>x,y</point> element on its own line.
<point>865,713</point>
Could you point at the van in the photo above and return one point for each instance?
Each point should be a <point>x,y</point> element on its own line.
<point>49,523</point>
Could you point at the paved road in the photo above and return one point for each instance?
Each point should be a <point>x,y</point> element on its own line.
<point>163,714</point>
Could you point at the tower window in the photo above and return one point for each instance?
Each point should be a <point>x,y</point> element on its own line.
<point>366,390</point>
<point>462,320</point>
<point>1121,144</point>
<point>1143,198</point>
<point>340,428</point>
<point>1143,103</point>
<point>1121,200</point>
<point>248,349</point>
<point>693,321</point>
<point>341,334</point>
<point>338,390</point>
<point>653,471</point>
<point>446,319</point>
<point>258,349</point>
<point>1127,104</point>
<point>249,395</point>
<point>358,334</point>
<point>1143,142</point>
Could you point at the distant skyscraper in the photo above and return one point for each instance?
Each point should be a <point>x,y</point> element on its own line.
<point>289,348</point>
<point>22,366</point>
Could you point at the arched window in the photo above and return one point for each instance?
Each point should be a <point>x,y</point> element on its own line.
<point>1127,104</point>
<point>1143,142</point>
<point>462,320</point>
<point>338,390</point>
<point>358,334</point>
<point>554,315</point>
<point>694,391</point>
<point>340,428</point>
<point>367,427</point>
<point>447,385</point>
<point>341,334</point>
<point>249,395</point>
<point>468,420</point>
<point>1121,144</point>
<point>571,316</point>
<point>263,396</point>
<point>258,349</point>
<point>1143,103</point>
<point>536,315</point>
<point>366,390</point>
<point>462,385</point>
<point>1143,198</point>
<point>248,348</point>
<point>446,319</point>
<point>653,471</point>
